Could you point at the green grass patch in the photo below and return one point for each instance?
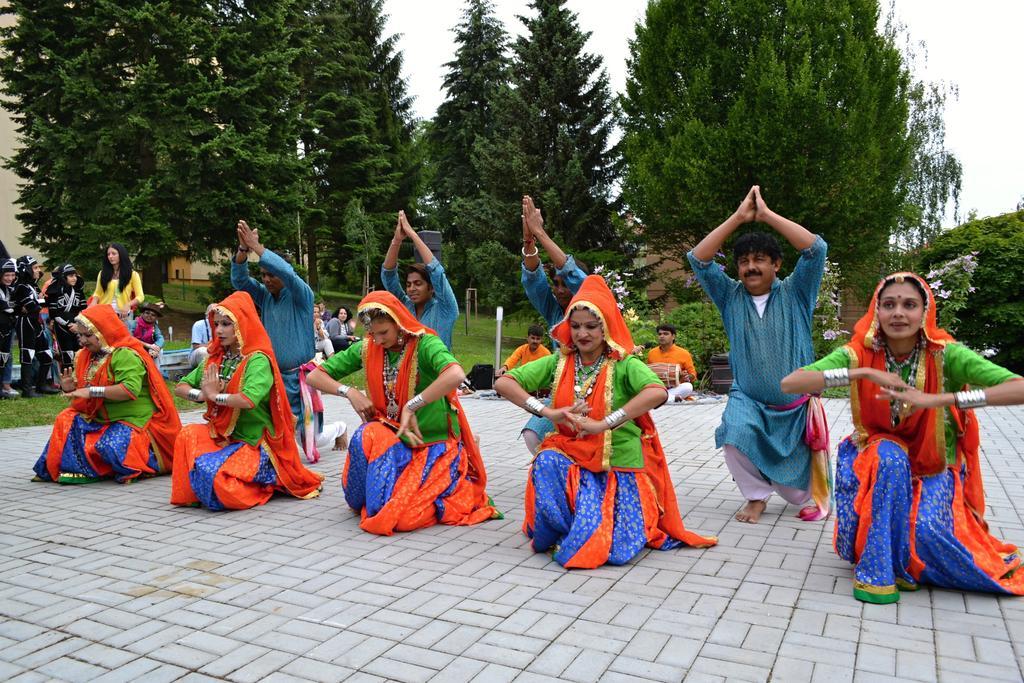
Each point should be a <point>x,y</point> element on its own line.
<point>29,412</point>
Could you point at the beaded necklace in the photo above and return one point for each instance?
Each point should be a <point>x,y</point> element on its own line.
<point>94,365</point>
<point>586,376</point>
<point>391,382</point>
<point>228,365</point>
<point>898,410</point>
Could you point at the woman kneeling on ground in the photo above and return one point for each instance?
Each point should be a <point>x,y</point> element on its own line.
<point>245,450</point>
<point>413,462</point>
<point>599,489</point>
<point>910,501</point>
<point>122,422</point>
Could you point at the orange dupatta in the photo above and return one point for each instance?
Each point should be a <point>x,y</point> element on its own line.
<point>252,338</point>
<point>164,425</point>
<point>593,452</point>
<point>405,385</point>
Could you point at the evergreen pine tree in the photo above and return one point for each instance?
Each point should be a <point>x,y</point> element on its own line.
<point>344,162</point>
<point>463,208</point>
<point>558,118</point>
<point>153,124</point>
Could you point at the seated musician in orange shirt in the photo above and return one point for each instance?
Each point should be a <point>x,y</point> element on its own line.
<point>668,353</point>
<point>530,351</point>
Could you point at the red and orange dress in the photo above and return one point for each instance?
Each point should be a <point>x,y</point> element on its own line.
<point>910,501</point>
<point>99,438</point>
<point>392,485</point>
<point>238,458</point>
<point>600,498</point>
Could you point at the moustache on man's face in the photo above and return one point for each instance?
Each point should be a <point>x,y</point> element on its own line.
<point>752,271</point>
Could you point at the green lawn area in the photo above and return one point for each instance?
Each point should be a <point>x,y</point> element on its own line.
<point>475,347</point>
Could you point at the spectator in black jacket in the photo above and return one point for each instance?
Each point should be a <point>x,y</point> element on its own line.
<point>28,302</point>
<point>65,300</point>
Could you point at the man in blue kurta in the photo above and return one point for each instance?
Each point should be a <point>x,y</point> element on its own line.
<point>768,322</point>
<point>551,299</point>
<point>286,308</point>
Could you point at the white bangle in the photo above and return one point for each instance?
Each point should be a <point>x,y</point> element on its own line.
<point>535,406</point>
<point>839,377</point>
<point>195,395</point>
<point>616,418</point>
<point>535,251</point>
<point>97,392</point>
<point>221,399</point>
<point>415,403</point>
<point>975,398</point>
<point>343,390</point>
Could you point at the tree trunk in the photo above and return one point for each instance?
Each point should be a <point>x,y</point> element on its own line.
<point>153,276</point>
<point>311,270</point>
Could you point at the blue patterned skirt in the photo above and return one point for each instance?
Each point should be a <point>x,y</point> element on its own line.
<point>901,531</point>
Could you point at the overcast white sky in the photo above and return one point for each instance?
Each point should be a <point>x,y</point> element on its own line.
<point>974,45</point>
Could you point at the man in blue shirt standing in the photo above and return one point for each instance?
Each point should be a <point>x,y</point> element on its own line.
<point>768,322</point>
<point>286,308</point>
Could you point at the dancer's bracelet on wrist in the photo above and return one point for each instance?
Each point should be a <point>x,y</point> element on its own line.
<point>535,251</point>
<point>974,398</point>
<point>97,392</point>
<point>535,406</point>
<point>343,390</point>
<point>839,377</point>
<point>221,399</point>
<point>244,250</point>
<point>195,395</point>
<point>616,418</point>
<point>415,403</point>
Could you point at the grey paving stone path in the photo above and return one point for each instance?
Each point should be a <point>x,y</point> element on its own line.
<point>111,583</point>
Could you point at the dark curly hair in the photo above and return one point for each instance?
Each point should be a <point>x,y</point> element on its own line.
<point>756,243</point>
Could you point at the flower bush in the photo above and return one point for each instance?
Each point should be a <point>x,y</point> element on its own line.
<point>951,283</point>
<point>828,332</point>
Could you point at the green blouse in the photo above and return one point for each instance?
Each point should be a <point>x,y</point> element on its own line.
<point>960,367</point>
<point>432,356</point>
<point>128,369</point>
<point>630,377</point>
<point>256,385</point>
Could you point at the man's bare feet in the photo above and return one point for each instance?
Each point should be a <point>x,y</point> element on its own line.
<point>751,512</point>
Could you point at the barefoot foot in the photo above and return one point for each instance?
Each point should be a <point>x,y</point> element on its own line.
<point>751,512</point>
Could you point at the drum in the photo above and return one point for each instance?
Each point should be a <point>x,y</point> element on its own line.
<point>667,373</point>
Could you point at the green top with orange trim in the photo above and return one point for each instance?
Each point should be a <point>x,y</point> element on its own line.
<point>960,367</point>
<point>128,369</point>
<point>629,378</point>
<point>435,419</point>
<point>256,386</point>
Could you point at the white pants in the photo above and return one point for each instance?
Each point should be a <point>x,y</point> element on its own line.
<point>752,483</point>
<point>197,356</point>
<point>326,347</point>
<point>680,391</point>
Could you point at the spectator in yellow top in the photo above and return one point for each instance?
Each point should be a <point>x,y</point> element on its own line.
<point>118,284</point>
<point>530,351</point>
<point>668,353</point>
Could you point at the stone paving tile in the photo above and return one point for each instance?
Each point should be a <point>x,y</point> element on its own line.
<point>112,583</point>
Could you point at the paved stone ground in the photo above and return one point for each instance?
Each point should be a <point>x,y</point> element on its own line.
<point>110,582</point>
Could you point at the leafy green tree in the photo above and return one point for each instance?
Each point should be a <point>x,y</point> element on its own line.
<point>155,124</point>
<point>809,100</point>
<point>993,317</point>
<point>362,239</point>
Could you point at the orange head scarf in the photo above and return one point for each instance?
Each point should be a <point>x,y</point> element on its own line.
<point>374,354</point>
<point>252,339</point>
<point>921,432</point>
<point>595,296</point>
<point>165,424</point>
